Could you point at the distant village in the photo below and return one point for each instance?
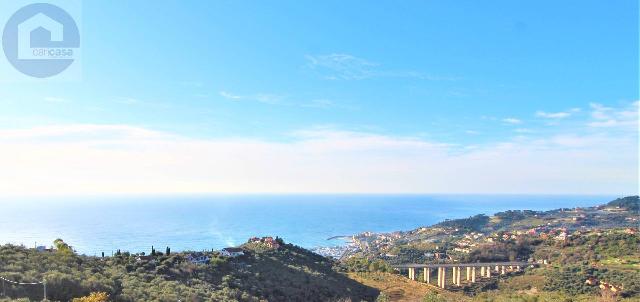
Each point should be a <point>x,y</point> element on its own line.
<point>448,239</point>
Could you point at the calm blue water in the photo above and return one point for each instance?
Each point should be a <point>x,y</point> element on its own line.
<point>94,225</point>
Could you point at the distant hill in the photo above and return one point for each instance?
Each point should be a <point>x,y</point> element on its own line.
<point>565,218</point>
<point>631,203</point>
<point>288,273</point>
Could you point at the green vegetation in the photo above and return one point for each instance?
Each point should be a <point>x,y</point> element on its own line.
<point>289,273</point>
<point>584,254</point>
<point>361,265</point>
<point>474,223</point>
<point>571,280</point>
<point>631,203</point>
<point>593,248</point>
<point>510,250</point>
<point>433,297</point>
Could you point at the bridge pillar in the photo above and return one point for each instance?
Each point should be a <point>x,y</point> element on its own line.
<point>473,274</point>
<point>482,272</point>
<point>426,274</point>
<point>412,273</point>
<point>444,277</point>
<point>453,275</point>
<point>468,273</point>
<point>517,267</point>
<point>459,269</point>
<point>488,272</point>
<point>439,277</point>
<point>502,270</point>
<point>497,269</point>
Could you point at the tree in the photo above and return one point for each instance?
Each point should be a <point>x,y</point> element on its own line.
<point>93,297</point>
<point>433,297</point>
<point>62,246</point>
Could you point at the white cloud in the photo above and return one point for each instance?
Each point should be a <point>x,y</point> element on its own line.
<point>343,66</point>
<point>229,95</point>
<point>53,99</point>
<point>553,115</point>
<point>511,120</point>
<point>348,67</point>
<point>266,98</point>
<point>608,117</point>
<point>122,159</point>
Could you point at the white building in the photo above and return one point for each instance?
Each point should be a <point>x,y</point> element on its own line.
<point>231,252</point>
<point>198,258</point>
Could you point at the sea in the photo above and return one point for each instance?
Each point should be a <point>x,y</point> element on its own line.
<point>95,225</point>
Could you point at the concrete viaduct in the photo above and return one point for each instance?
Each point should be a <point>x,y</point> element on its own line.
<point>485,269</point>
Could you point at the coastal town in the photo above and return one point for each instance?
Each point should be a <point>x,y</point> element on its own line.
<point>453,239</point>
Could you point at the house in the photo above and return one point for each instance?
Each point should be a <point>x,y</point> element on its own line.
<point>268,242</point>
<point>42,249</point>
<point>561,237</point>
<point>145,258</point>
<point>271,243</point>
<point>198,258</point>
<point>231,252</point>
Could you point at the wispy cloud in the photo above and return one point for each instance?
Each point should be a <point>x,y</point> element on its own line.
<point>134,101</point>
<point>138,160</point>
<point>512,120</point>
<point>266,98</point>
<point>231,96</point>
<point>607,117</point>
<point>348,67</point>
<point>342,66</point>
<point>328,104</point>
<point>53,99</point>
<point>282,100</point>
<point>553,115</point>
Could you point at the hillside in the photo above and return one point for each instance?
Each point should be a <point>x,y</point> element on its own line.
<point>288,273</point>
<point>571,246</point>
<point>513,230</point>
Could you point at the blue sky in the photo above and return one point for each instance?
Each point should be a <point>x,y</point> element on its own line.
<point>458,76</point>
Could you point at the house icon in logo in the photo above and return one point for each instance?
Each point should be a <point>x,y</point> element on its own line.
<point>41,40</point>
<point>38,31</point>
